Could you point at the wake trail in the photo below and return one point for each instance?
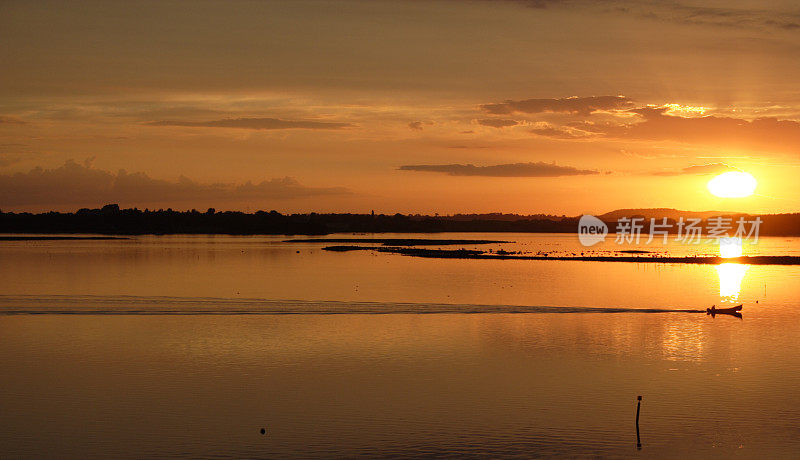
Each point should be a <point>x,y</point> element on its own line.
<point>166,305</point>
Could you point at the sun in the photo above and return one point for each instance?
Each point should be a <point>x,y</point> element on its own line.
<point>733,184</point>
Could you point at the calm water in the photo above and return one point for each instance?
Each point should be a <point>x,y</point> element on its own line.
<point>82,380</point>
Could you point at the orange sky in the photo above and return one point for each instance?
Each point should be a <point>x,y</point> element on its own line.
<point>560,107</point>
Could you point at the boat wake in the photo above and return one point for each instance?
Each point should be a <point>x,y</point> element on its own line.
<point>163,305</point>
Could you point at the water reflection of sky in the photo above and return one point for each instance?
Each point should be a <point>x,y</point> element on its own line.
<point>267,268</point>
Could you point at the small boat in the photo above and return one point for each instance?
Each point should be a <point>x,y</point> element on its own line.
<point>724,311</point>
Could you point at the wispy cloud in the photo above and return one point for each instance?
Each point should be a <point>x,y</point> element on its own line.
<point>680,13</point>
<point>6,160</point>
<point>256,123</point>
<point>11,121</point>
<point>497,122</point>
<point>539,169</point>
<point>559,133</point>
<point>722,16</point>
<point>710,168</point>
<point>572,105</point>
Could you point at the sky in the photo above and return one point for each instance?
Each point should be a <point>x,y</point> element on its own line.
<point>450,106</point>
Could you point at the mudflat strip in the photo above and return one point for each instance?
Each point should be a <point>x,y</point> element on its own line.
<point>475,254</point>
<point>60,238</point>
<point>396,241</point>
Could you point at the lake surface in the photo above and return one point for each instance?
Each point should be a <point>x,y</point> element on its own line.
<point>175,346</point>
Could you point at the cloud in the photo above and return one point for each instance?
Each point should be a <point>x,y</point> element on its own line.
<point>497,122</point>
<point>723,131</point>
<point>160,110</point>
<point>504,170</point>
<point>82,185</point>
<point>710,168</point>
<point>419,125</point>
<point>8,160</point>
<point>664,123</point>
<point>559,133</point>
<point>652,155</point>
<point>13,147</point>
<point>12,121</point>
<point>679,13</point>
<point>470,146</point>
<point>13,152</point>
<point>722,16</point>
<point>256,123</point>
<point>571,105</point>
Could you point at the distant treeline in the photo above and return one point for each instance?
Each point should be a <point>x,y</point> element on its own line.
<point>112,220</point>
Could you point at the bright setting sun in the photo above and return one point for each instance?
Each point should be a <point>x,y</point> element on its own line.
<point>732,184</point>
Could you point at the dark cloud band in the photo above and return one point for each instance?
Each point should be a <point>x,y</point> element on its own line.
<point>82,185</point>
<point>256,123</point>
<point>503,170</point>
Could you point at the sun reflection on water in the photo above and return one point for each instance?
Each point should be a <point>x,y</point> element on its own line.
<point>683,341</point>
<point>730,281</point>
<point>730,247</point>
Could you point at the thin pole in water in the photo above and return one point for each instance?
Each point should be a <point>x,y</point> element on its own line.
<point>638,407</point>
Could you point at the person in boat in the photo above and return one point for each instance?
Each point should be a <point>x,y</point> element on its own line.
<point>714,310</point>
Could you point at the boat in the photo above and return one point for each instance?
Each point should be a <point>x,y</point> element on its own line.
<point>724,311</point>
